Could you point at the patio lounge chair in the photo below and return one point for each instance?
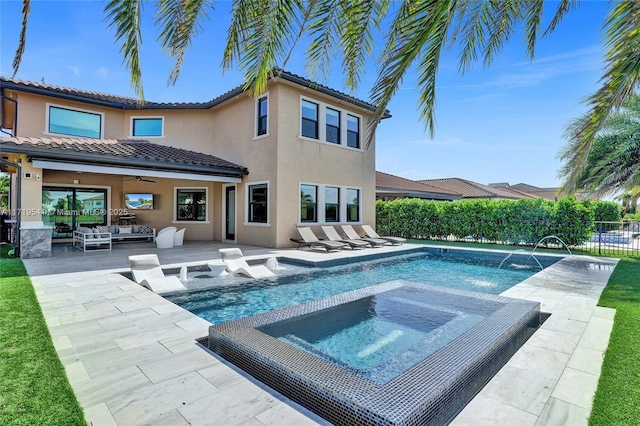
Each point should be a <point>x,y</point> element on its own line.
<point>236,264</point>
<point>371,233</point>
<point>146,271</point>
<point>309,239</point>
<point>353,235</point>
<point>333,235</point>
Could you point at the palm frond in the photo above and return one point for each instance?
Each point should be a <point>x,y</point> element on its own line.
<point>564,7</point>
<point>261,32</point>
<point>471,18</point>
<point>532,24</point>
<point>620,79</point>
<point>418,28</point>
<point>22,41</point>
<point>505,15</point>
<point>180,23</point>
<point>325,20</point>
<point>358,19</point>
<point>125,15</point>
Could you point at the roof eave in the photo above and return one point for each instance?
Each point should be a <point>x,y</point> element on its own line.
<point>99,102</point>
<point>133,162</point>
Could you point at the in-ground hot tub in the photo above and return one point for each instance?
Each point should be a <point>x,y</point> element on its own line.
<point>396,353</point>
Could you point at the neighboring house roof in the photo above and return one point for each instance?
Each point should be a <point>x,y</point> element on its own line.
<point>546,193</point>
<point>125,153</point>
<point>397,186</point>
<point>470,189</point>
<point>124,102</point>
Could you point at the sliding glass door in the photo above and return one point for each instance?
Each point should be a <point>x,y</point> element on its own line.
<point>64,209</point>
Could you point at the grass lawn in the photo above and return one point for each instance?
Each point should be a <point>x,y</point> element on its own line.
<point>617,400</point>
<point>34,389</point>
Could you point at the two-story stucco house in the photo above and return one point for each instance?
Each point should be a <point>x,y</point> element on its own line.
<point>236,168</point>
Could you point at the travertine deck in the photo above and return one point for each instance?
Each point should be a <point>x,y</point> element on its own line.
<point>131,356</point>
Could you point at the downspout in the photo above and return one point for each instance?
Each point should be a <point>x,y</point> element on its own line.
<point>15,114</point>
<point>18,209</point>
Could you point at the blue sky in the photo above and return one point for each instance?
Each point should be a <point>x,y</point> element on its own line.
<point>498,124</point>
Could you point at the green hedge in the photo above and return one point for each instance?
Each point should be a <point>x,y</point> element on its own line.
<point>523,222</point>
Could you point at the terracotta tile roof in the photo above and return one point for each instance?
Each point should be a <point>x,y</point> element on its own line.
<point>546,193</point>
<point>470,189</point>
<point>124,102</point>
<point>140,153</point>
<point>387,181</point>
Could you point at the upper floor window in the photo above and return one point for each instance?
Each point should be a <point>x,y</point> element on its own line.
<point>262,110</point>
<point>71,122</point>
<point>147,126</point>
<point>309,119</point>
<point>257,205</point>
<point>191,204</point>
<point>333,125</point>
<point>308,203</point>
<point>327,123</point>
<point>331,204</point>
<point>353,131</point>
<point>353,205</point>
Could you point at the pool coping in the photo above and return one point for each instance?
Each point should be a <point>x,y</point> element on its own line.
<point>131,355</point>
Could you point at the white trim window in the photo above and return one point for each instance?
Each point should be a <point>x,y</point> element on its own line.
<point>330,204</point>
<point>190,204</point>
<point>353,131</point>
<point>309,127</point>
<point>332,132</point>
<point>353,205</point>
<point>262,116</point>
<point>257,206</point>
<point>326,123</point>
<point>147,127</point>
<point>308,203</point>
<point>62,120</point>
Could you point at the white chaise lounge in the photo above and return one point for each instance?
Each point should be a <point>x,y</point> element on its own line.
<point>146,271</point>
<point>236,264</point>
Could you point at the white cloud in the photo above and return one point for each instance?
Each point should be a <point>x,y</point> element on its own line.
<point>75,70</point>
<point>102,72</point>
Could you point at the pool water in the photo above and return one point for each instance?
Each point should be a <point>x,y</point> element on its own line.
<point>457,270</point>
<point>382,335</point>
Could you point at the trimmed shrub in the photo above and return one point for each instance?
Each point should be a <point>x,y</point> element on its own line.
<point>606,211</point>
<point>522,222</point>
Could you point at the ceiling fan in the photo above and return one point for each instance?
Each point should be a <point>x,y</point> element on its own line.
<point>139,179</point>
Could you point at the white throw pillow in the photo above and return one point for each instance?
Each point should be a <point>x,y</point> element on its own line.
<point>124,229</point>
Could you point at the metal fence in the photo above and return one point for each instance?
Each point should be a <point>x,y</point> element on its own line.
<point>615,238</point>
<point>607,238</point>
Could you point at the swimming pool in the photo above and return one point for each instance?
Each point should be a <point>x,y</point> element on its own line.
<point>475,271</point>
<point>335,356</point>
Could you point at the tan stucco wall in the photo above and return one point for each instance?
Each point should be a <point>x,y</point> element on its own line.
<point>308,161</point>
<point>281,158</point>
<point>31,188</point>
